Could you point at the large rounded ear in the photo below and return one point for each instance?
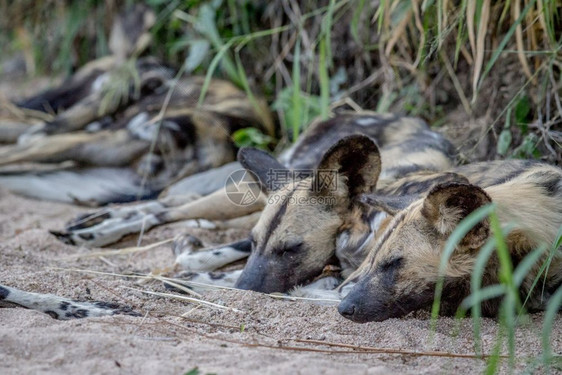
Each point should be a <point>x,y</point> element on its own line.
<point>447,204</point>
<point>263,166</point>
<point>357,158</point>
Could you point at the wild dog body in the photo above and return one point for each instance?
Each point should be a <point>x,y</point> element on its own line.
<point>401,271</point>
<point>303,228</point>
<point>140,151</point>
<point>127,128</point>
<point>74,101</point>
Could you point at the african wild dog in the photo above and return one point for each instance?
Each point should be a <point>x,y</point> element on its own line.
<point>303,239</point>
<point>123,128</point>
<point>295,237</point>
<point>401,271</point>
<point>140,152</point>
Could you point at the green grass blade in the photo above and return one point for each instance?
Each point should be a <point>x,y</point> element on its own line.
<point>324,81</point>
<point>504,41</point>
<point>493,361</point>
<point>509,306</point>
<point>475,284</point>
<point>551,313</point>
<point>526,264</point>
<point>489,292</point>
<point>212,67</point>
<point>357,13</point>
<point>545,265</point>
<point>297,96</point>
<point>454,239</point>
<point>506,266</point>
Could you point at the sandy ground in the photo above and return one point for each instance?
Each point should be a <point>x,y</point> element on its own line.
<point>266,335</point>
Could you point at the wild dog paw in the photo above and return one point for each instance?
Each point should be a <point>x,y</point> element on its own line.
<point>62,308</point>
<point>132,212</point>
<point>213,258</point>
<point>77,310</point>
<point>107,231</point>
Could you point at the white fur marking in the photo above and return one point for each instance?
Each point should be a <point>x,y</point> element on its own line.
<point>209,260</point>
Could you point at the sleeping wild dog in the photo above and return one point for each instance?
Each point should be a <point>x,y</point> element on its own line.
<point>122,128</point>
<point>305,228</point>
<point>401,271</point>
<point>293,242</point>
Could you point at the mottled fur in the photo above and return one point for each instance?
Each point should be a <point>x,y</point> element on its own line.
<point>118,222</point>
<point>128,114</point>
<point>62,308</point>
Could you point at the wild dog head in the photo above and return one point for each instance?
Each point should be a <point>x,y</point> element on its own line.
<point>296,234</point>
<point>402,269</point>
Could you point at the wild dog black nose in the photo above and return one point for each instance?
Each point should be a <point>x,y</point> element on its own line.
<point>347,309</point>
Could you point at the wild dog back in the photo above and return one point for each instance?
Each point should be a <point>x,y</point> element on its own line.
<point>401,271</point>
<point>404,141</point>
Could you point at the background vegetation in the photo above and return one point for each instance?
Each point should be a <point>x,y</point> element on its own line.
<point>445,61</point>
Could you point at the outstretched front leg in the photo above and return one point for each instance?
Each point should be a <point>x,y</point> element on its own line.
<point>199,266</point>
<point>60,307</point>
<point>111,224</point>
<point>210,259</point>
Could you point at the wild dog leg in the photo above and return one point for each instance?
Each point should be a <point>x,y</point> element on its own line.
<point>209,259</point>
<point>111,224</point>
<point>216,206</point>
<point>194,263</point>
<point>62,308</point>
<point>46,148</point>
<point>104,229</point>
<point>104,148</point>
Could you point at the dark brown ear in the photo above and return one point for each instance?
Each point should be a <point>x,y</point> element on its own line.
<point>447,204</point>
<point>388,203</point>
<point>355,157</point>
<point>265,167</point>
